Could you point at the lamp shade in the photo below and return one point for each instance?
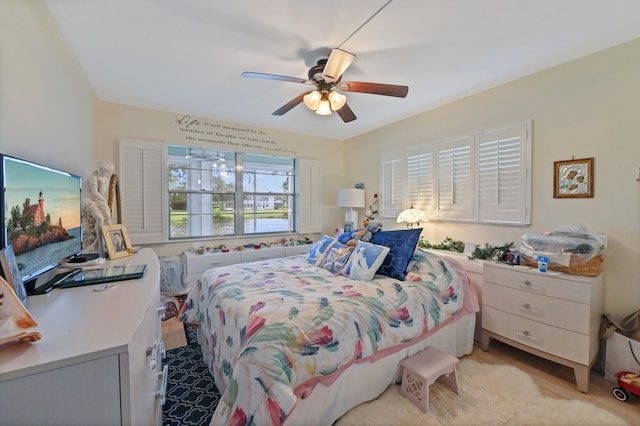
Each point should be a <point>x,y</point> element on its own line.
<point>324,107</point>
<point>411,216</point>
<point>312,100</point>
<point>351,197</point>
<point>337,100</point>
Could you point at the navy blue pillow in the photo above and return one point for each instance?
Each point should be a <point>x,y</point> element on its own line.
<point>402,243</point>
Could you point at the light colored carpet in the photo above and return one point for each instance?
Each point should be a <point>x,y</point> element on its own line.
<point>489,395</point>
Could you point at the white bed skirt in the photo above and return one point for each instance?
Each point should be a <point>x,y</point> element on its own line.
<point>366,381</point>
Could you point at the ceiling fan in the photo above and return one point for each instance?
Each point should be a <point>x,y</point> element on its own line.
<point>326,76</point>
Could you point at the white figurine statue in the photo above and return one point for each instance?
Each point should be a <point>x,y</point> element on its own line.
<point>96,212</point>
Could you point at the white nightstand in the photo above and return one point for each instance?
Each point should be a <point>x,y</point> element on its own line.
<point>554,316</point>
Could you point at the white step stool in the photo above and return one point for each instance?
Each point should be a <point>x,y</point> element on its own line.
<point>421,370</point>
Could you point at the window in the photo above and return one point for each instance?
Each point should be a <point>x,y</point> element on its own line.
<point>172,192</point>
<point>476,178</point>
<point>216,193</point>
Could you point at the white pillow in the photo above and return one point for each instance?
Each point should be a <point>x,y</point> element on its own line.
<point>365,261</point>
<point>319,250</point>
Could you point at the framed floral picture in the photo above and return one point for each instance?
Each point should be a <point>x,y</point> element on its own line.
<point>573,178</point>
<point>117,241</point>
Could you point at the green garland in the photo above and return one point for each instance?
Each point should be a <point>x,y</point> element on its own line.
<point>488,252</point>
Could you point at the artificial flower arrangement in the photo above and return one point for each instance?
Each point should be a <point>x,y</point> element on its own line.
<point>373,209</point>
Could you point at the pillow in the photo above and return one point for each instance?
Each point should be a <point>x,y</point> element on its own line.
<point>338,255</point>
<point>365,261</point>
<point>402,244</point>
<point>319,249</point>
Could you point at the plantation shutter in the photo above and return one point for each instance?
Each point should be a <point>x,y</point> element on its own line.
<point>143,190</point>
<point>392,182</point>
<point>420,185</point>
<point>455,184</point>
<point>309,196</point>
<point>502,176</point>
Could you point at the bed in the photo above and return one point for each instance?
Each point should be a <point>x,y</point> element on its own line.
<point>290,341</point>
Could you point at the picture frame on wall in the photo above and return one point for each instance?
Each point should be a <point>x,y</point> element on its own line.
<point>11,273</point>
<point>573,178</point>
<point>117,241</point>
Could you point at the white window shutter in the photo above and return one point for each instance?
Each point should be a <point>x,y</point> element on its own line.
<point>309,196</point>
<point>143,181</point>
<point>392,182</point>
<point>420,181</point>
<point>502,176</point>
<point>455,179</point>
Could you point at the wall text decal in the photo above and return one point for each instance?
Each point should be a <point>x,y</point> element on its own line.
<point>232,136</point>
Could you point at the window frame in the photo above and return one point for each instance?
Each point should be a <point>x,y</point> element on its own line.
<point>144,186</point>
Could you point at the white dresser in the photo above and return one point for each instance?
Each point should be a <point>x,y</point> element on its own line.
<point>99,361</point>
<point>554,316</point>
<point>195,264</point>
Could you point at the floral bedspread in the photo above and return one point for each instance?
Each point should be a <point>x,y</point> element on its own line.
<point>273,329</point>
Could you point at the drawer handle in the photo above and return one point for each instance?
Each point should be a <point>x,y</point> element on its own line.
<point>526,335</point>
<point>527,285</point>
<point>158,348</point>
<point>162,311</point>
<point>527,308</point>
<point>162,393</point>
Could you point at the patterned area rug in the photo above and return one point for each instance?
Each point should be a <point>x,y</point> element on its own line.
<point>192,396</point>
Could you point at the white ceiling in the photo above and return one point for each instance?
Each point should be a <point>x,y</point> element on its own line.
<point>186,56</point>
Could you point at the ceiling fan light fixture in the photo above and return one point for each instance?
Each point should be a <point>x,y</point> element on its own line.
<point>324,107</point>
<point>339,60</point>
<point>312,100</point>
<point>337,100</point>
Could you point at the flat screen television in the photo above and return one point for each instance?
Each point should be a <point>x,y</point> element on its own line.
<point>40,216</point>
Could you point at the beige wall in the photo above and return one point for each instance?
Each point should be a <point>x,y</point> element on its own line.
<point>46,103</point>
<point>586,108</point>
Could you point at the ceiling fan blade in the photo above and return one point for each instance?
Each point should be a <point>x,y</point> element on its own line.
<point>339,60</point>
<point>289,105</point>
<point>374,88</point>
<point>346,114</point>
<point>248,74</point>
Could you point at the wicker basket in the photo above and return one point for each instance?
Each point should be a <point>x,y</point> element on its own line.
<point>591,268</point>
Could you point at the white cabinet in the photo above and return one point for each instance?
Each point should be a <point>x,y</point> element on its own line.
<point>195,264</point>
<point>555,316</point>
<point>95,362</point>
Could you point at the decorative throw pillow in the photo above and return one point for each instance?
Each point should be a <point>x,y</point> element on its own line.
<point>365,261</point>
<point>338,255</point>
<point>320,249</point>
<point>402,244</point>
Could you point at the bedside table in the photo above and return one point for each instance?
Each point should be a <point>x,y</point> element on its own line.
<point>551,315</point>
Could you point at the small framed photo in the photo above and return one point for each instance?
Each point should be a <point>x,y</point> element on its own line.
<point>348,226</point>
<point>117,241</point>
<point>573,178</point>
<point>11,273</point>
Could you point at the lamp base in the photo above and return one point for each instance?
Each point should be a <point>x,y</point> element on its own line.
<point>351,216</point>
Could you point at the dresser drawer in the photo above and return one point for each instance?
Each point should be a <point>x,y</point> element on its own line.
<point>560,286</point>
<point>198,263</point>
<point>297,249</point>
<point>262,254</point>
<point>555,312</point>
<point>552,340</point>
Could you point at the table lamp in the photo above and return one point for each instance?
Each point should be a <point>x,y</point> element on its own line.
<point>412,216</point>
<point>351,198</point>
